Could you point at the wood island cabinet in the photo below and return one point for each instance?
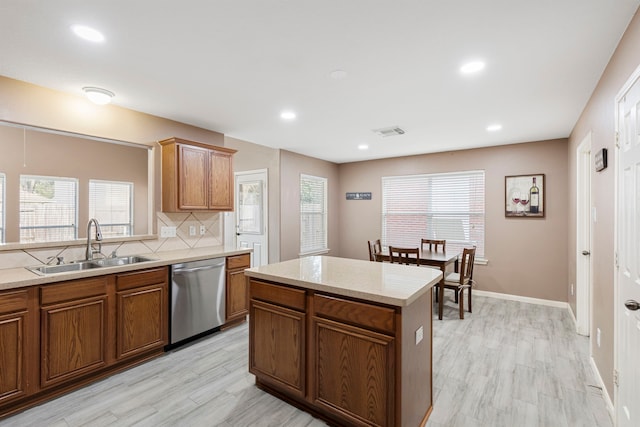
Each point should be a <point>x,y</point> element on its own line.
<point>196,176</point>
<point>237,289</point>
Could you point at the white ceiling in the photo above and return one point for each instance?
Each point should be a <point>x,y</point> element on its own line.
<point>234,65</point>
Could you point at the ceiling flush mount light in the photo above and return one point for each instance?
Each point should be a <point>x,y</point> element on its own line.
<point>472,67</point>
<point>87,33</point>
<point>98,95</point>
<point>287,115</point>
<point>363,147</point>
<point>338,74</point>
<point>494,128</point>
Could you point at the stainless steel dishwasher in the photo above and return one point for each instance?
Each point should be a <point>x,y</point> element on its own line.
<point>197,297</point>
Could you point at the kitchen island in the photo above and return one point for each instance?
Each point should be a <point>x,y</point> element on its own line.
<point>346,340</point>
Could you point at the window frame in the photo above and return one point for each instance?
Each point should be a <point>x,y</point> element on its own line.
<point>468,225</point>
<point>76,206</point>
<point>104,225</point>
<point>322,245</point>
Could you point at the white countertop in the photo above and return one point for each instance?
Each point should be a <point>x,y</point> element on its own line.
<point>20,277</point>
<point>393,284</point>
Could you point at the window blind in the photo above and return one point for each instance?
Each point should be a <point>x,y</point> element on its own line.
<point>446,206</point>
<point>313,214</point>
<point>48,208</point>
<point>111,203</point>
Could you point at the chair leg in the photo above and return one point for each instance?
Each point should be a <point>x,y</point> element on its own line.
<point>461,302</point>
<point>435,289</point>
<point>469,299</point>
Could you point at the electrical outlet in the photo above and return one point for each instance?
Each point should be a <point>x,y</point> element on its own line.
<point>572,289</point>
<point>202,230</point>
<point>419,334</point>
<point>192,230</point>
<point>598,337</point>
<point>167,232</point>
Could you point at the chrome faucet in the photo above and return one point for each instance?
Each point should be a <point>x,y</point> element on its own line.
<point>90,249</point>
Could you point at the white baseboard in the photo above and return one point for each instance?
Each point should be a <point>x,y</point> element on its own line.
<point>605,393</point>
<point>529,300</point>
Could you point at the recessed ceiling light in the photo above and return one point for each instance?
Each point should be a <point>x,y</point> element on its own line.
<point>472,67</point>
<point>98,95</point>
<point>338,74</point>
<point>363,147</point>
<point>494,128</point>
<point>88,33</point>
<point>288,115</point>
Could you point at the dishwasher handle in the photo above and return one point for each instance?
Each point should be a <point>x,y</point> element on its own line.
<point>196,269</point>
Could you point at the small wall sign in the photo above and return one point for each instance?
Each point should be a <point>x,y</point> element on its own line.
<point>601,160</point>
<point>358,196</point>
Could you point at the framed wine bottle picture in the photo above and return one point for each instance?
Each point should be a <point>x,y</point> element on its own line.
<point>524,196</point>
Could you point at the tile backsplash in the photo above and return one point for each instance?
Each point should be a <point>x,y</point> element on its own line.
<point>182,221</point>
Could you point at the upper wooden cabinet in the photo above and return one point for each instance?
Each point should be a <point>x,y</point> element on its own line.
<point>196,176</point>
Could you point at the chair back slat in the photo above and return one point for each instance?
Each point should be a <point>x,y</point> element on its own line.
<point>434,245</point>
<point>466,264</point>
<point>408,256</point>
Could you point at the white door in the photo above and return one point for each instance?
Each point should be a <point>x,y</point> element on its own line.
<point>251,214</point>
<point>628,242</point>
<point>583,238</point>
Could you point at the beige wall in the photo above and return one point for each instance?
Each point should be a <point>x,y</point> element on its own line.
<point>598,118</point>
<point>253,157</point>
<point>291,166</point>
<point>527,257</point>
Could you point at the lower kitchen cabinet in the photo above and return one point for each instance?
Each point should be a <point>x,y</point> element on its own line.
<point>17,355</point>
<point>58,337</point>
<point>74,329</point>
<point>142,312</point>
<point>237,288</point>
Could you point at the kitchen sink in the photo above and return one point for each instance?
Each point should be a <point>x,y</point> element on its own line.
<point>121,260</point>
<point>87,265</point>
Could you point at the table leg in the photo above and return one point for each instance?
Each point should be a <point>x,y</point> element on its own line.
<point>441,292</point>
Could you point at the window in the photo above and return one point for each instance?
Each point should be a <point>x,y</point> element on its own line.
<point>313,214</point>
<point>111,203</point>
<point>446,206</point>
<point>2,185</point>
<point>48,209</point>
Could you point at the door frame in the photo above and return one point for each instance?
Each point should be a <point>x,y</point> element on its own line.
<point>584,237</point>
<point>617,310</point>
<point>265,206</point>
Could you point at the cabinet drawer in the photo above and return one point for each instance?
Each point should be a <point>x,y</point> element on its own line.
<point>13,301</point>
<point>136,279</point>
<point>355,313</point>
<point>75,289</point>
<point>281,295</point>
<point>238,261</point>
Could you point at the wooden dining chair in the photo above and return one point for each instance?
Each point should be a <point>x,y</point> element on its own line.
<point>408,256</point>
<point>462,280</point>
<point>375,247</point>
<point>433,244</point>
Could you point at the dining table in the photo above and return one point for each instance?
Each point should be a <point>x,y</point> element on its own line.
<point>432,258</point>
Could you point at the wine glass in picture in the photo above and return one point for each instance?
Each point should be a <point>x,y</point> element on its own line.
<point>515,198</point>
<point>524,200</point>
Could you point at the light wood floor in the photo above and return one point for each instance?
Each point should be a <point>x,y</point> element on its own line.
<point>506,364</point>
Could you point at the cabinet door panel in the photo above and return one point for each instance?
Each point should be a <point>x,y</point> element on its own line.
<point>237,295</point>
<point>221,192</point>
<point>193,178</point>
<point>73,339</point>
<point>354,373</point>
<point>277,346</point>
<point>12,356</point>
<point>141,320</point>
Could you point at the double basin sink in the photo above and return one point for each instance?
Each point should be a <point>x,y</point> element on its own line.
<point>88,265</point>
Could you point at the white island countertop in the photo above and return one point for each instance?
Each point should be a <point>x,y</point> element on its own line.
<point>386,283</point>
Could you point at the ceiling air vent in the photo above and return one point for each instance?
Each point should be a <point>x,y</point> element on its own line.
<point>391,131</point>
